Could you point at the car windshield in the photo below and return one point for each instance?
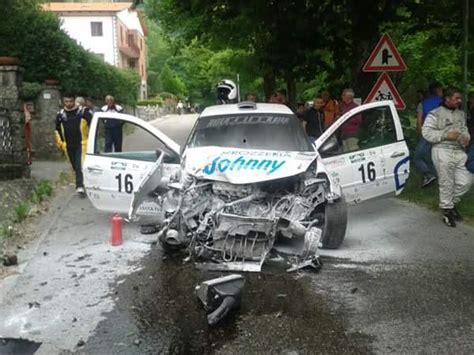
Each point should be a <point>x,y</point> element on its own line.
<point>251,131</point>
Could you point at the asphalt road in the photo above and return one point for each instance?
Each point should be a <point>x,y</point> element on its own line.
<point>401,283</point>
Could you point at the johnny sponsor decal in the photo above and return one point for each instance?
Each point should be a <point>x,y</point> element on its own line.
<point>222,165</point>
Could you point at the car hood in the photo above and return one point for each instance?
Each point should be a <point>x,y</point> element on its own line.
<point>244,166</point>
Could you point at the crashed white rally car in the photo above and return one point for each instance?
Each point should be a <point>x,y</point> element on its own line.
<point>248,180</point>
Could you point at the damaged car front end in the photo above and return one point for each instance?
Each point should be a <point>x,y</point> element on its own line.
<point>250,183</point>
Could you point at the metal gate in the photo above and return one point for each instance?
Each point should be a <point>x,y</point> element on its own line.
<point>6,141</point>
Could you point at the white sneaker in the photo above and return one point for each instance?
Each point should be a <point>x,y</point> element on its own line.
<point>80,191</point>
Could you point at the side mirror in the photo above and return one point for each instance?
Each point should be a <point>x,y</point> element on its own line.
<point>330,145</point>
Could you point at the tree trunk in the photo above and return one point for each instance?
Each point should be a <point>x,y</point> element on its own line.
<point>268,85</point>
<point>365,34</point>
<point>291,88</point>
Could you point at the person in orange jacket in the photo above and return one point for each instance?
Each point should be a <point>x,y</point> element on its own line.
<point>330,108</point>
<point>72,126</point>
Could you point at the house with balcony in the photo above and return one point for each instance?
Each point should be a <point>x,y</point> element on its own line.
<point>114,32</point>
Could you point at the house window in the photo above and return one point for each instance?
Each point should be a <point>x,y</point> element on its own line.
<point>96,29</point>
<point>131,40</point>
<point>132,63</point>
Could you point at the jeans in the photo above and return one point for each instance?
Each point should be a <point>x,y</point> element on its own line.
<point>470,159</point>
<point>75,157</point>
<point>113,137</point>
<point>422,156</point>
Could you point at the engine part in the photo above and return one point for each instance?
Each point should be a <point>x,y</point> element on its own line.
<point>220,296</point>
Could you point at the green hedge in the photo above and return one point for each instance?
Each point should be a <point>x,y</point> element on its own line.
<point>153,101</point>
<point>46,52</point>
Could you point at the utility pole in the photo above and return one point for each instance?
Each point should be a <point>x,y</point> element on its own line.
<point>238,87</point>
<point>465,54</point>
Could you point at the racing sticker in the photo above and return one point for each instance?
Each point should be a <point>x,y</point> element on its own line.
<point>401,173</point>
<point>222,165</point>
<point>118,165</point>
<point>357,158</point>
<point>243,166</point>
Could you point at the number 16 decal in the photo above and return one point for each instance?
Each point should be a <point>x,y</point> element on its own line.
<point>127,181</point>
<point>371,173</point>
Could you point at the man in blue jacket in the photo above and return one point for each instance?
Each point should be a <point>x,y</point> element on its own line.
<point>423,149</point>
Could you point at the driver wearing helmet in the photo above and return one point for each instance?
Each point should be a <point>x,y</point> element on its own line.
<point>226,92</point>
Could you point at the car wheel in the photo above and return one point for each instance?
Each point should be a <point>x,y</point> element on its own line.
<point>335,223</point>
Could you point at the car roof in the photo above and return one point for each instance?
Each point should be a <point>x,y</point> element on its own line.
<point>245,108</point>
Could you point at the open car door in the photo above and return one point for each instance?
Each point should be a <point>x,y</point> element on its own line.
<point>365,152</point>
<point>121,152</point>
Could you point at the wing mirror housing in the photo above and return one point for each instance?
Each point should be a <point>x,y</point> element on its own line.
<point>330,145</point>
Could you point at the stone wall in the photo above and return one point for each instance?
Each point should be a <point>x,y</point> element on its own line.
<point>45,107</point>
<point>12,120</point>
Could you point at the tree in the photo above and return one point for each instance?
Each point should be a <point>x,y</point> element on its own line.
<point>47,52</point>
<point>298,40</point>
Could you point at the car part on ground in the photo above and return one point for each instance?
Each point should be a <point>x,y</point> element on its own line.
<point>220,296</point>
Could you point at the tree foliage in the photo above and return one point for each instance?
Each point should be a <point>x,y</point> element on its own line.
<point>310,45</point>
<point>46,52</point>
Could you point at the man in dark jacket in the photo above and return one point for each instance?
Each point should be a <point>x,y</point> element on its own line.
<point>313,121</point>
<point>113,128</point>
<point>72,126</point>
<point>423,148</point>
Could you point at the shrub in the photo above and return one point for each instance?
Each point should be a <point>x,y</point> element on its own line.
<point>154,101</point>
<point>41,191</point>
<point>21,211</point>
<point>31,90</point>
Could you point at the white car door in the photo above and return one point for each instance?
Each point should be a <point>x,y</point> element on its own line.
<point>112,177</point>
<point>365,152</point>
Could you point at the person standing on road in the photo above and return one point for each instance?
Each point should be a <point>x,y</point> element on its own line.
<point>28,134</point>
<point>91,107</point>
<point>179,107</point>
<point>300,111</point>
<point>423,148</point>
<point>113,128</point>
<point>313,121</point>
<point>445,128</point>
<point>470,127</point>
<point>350,129</point>
<point>72,124</point>
<point>330,108</point>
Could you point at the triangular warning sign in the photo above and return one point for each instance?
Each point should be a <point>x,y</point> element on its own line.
<point>384,89</point>
<point>385,57</point>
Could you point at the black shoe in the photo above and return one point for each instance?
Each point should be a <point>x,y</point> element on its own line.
<point>457,216</point>
<point>428,180</point>
<point>448,218</point>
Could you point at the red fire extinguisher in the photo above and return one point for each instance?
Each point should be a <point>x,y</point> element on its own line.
<point>116,230</point>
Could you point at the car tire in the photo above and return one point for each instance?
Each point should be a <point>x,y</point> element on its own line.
<point>335,223</point>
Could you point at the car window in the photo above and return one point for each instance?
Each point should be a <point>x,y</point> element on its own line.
<point>251,131</point>
<point>122,139</point>
<point>370,128</point>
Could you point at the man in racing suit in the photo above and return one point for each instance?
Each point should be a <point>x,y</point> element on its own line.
<point>445,127</point>
<point>72,128</point>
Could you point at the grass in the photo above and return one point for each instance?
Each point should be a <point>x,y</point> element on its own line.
<point>6,231</point>
<point>42,191</point>
<point>21,211</point>
<point>429,196</point>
